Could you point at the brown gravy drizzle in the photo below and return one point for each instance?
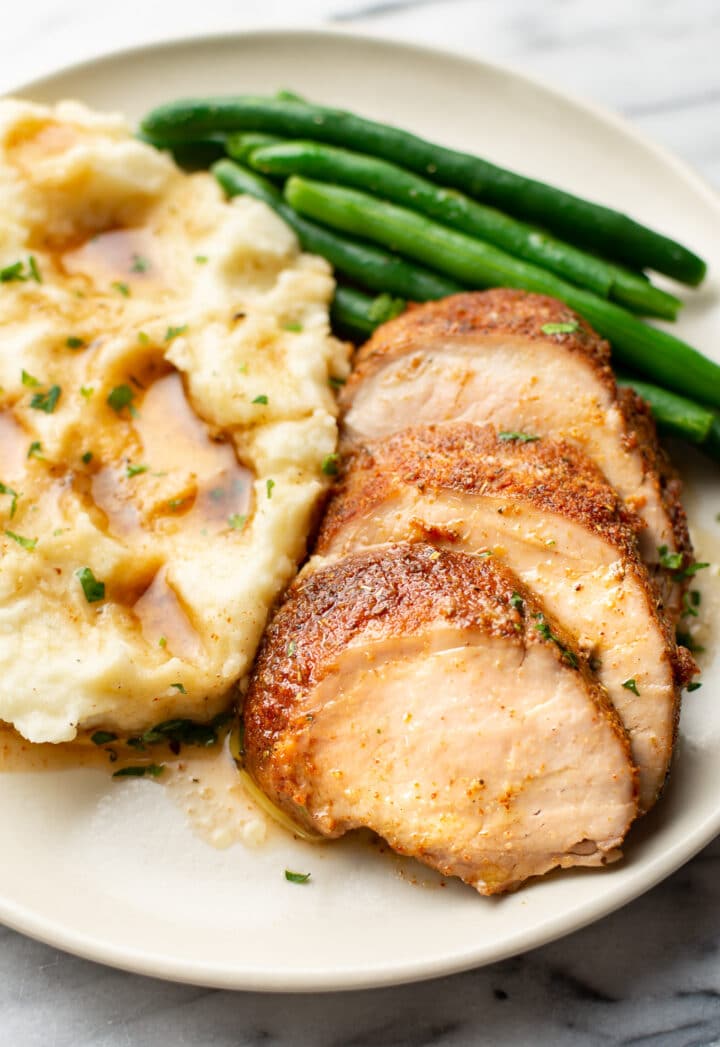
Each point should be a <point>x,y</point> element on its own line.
<point>162,616</point>
<point>127,255</point>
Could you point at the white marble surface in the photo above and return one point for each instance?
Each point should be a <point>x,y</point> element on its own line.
<point>649,974</point>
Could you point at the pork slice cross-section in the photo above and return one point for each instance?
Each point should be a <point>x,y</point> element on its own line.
<point>428,696</point>
<point>545,510</point>
<point>526,363</point>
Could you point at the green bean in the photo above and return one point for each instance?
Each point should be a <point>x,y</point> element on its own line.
<point>449,207</point>
<point>657,354</point>
<point>356,314</point>
<point>240,146</point>
<point>370,267</point>
<point>675,414</point>
<point>602,229</point>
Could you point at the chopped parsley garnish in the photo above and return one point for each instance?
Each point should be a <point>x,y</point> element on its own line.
<point>547,634</point>
<point>162,642</point>
<point>46,402</point>
<point>336,381</point>
<point>29,380</point>
<point>291,649</point>
<point>119,397</point>
<point>12,272</point>
<point>201,259</point>
<point>135,470</point>
<point>691,602</point>
<point>693,685</point>
<point>73,342</point>
<point>293,877</point>
<point>521,438</point>
<point>121,288</point>
<point>87,457</point>
<point>562,328</point>
<point>153,769</point>
<point>16,271</point>
<point>237,522</point>
<point>296,328</point>
<point>34,271</point>
<point>86,391</point>
<point>139,264</point>
<point>517,601</point>
<point>174,332</point>
<point>181,732</point>
<point>93,589</point>
<point>103,737</point>
<point>693,569</point>
<point>673,562</point>
<point>179,687</point>
<point>26,543</point>
<point>385,307</point>
<point>330,464</point>
<point>630,685</point>
<point>143,339</point>
<point>4,489</point>
<point>262,399</point>
<point>269,487</point>
<point>35,450</point>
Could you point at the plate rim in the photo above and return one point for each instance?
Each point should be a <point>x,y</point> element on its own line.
<point>580,102</point>
<point>318,979</point>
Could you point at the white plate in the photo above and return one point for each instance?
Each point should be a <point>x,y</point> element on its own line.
<point>113,872</point>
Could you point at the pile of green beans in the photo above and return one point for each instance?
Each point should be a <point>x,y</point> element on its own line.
<point>447,221</point>
<point>609,232</point>
<point>449,207</point>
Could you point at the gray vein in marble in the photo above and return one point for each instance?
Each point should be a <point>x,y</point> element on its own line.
<point>379,10</point>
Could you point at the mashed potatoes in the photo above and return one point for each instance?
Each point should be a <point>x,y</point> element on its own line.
<point>165,414</point>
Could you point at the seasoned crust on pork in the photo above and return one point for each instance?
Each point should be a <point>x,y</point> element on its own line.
<point>472,458</point>
<point>504,758</point>
<point>426,366</point>
<point>502,311</point>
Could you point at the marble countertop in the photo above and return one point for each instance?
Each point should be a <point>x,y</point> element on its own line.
<point>649,974</point>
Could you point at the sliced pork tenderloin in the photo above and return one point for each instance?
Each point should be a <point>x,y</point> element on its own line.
<point>547,512</point>
<point>427,695</point>
<point>523,362</point>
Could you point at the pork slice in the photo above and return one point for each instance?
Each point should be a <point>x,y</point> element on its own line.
<point>526,363</point>
<point>427,695</point>
<point>547,512</point>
